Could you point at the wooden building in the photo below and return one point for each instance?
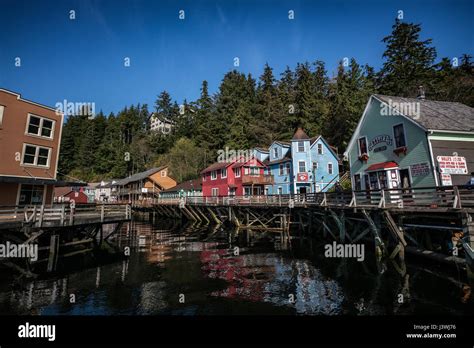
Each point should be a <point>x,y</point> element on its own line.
<point>411,142</point>
<point>30,138</point>
<point>142,186</point>
<point>189,188</point>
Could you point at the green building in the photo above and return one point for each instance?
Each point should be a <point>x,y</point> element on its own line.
<point>411,142</point>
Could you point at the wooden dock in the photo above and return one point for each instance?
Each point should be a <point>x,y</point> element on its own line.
<point>432,222</point>
<point>58,230</point>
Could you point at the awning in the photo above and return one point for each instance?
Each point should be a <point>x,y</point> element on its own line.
<point>383,165</point>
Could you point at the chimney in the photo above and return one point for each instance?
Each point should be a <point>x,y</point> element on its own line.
<point>421,93</point>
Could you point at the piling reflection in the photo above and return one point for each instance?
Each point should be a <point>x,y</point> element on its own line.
<point>229,271</point>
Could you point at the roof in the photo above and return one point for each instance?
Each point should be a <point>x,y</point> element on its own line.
<point>437,115</point>
<point>32,180</point>
<point>286,158</point>
<point>261,149</point>
<point>216,166</point>
<point>61,191</point>
<point>383,165</point>
<point>138,176</point>
<point>300,135</point>
<point>195,184</point>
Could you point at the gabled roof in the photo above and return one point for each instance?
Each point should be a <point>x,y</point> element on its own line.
<point>195,184</point>
<point>139,176</point>
<point>216,166</point>
<point>245,163</point>
<point>285,158</point>
<point>437,115</point>
<point>300,135</point>
<point>261,149</point>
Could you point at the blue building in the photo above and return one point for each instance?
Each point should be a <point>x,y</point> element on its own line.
<point>302,165</point>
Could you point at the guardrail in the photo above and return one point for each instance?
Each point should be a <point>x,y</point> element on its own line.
<point>63,214</point>
<point>455,197</point>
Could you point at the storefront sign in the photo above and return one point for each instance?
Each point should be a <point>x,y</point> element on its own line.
<point>302,177</point>
<point>446,180</point>
<point>452,164</point>
<point>384,138</point>
<point>420,169</point>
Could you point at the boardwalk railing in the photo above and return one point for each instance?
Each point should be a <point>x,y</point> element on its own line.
<point>455,197</point>
<point>63,214</point>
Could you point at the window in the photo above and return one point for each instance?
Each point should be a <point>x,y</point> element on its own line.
<point>215,191</point>
<point>247,191</point>
<point>237,172</point>
<point>40,126</point>
<point>280,190</point>
<point>31,194</point>
<point>301,167</point>
<point>300,146</point>
<point>255,171</point>
<point>281,169</point>
<point>213,175</point>
<point>36,155</point>
<point>315,165</point>
<point>330,169</point>
<point>399,135</point>
<point>163,173</point>
<point>357,183</point>
<point>275,152</point>
<point>224,173</point>
<point>2,108</point>
<point>288,168</point>
<point>320,149</point>
<point>362,146</point>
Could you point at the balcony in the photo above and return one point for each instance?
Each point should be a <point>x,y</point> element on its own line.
<point>257,179</point>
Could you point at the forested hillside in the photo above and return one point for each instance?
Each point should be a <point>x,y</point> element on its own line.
<point>249,111</point>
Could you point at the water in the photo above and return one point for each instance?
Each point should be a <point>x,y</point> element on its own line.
<point>186,270</point>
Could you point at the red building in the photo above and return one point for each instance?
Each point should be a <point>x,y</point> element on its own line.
<point>67,194</point>
<point>236,178</point>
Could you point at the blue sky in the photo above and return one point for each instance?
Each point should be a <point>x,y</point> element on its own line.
<point>82,60</point>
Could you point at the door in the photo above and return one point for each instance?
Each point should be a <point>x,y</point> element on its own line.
<point>303,190</point>
<point>405,185</point>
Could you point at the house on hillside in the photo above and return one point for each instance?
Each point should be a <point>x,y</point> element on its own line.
<point>143,186</point>
<point>189,188</point>
<point>30,138</point>
<point>235,178</point>
<point>302,165</point>
<point>411,142</point>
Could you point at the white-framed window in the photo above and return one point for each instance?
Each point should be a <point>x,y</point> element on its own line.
<point>301,166</point>
<point>2,109</point>
<point>40,126</point>
<point>215,191</point>
<point>281,168</point>
<point>237,172</point>
<point>300,146</point>
<point>34,155</point>
<point>288,168</point>
<point>399,135</point>
<point>213,175</point>
<point>254,171</point>
<point>224,173</point>
<point>320,149</point>
<point>280,190</point>
<point>330,168</point>
<point>275,152</point>
<point>362,142</point>
<point>163,173</point>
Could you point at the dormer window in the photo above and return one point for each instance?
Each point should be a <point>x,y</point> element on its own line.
<point>320,149</point>
<point>275,152</point>
<point>300,146</point>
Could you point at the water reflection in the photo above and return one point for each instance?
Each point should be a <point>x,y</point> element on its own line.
<point>222,271</point>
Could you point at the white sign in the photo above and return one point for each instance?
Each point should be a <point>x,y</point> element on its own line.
<point>446,180</point>
<point>452,164</point>
<point>144,190</point>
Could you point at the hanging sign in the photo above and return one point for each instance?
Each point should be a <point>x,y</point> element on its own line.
<point>452,164</point>
<point>302,177</point>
